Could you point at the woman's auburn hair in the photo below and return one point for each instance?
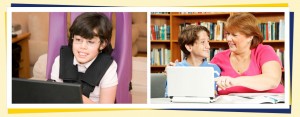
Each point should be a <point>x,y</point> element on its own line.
<point>245,23</point>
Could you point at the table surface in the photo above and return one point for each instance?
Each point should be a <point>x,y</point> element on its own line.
<point>241,98</point>
<point>20,37</point>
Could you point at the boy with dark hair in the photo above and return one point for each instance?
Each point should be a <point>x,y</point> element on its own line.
<point>87,60</point>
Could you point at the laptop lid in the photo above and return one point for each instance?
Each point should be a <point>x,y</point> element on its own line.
<point>191,81</point>
<point>37,91</point>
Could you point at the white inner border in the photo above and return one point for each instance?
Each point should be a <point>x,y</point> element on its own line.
<point>148,10</point>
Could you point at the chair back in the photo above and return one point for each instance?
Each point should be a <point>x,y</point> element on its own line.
<point>158,85</point>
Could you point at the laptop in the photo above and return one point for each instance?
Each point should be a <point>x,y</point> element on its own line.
<point>191,84</point>
<point>37,91</point>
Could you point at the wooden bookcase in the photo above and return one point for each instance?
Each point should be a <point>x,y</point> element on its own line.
<point>22,40</point>
<point>160,19</point>
<point>174,19</point>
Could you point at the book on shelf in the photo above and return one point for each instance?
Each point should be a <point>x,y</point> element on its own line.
<point>160,56</point>
<point>269,30</point>
<point>219,30</point>
<point>153,33</point>
<point>168,32</point>
<point>198,12</point>
<point>156,30</point>
<point>272,30</point>
<point>281,29</point>
<point>213,52</point>
<point>216,29</point>
<point>211,31</point>
<point>280,54</point>
<point>183,25</point>
<point>160,32</point>
<point>160,12</point>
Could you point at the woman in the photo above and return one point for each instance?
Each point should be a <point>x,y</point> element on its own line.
<point>247,66</point>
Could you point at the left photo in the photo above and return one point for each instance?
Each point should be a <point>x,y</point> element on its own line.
<point>79,57</point>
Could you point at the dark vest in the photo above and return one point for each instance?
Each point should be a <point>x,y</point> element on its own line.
<point>88,80</point>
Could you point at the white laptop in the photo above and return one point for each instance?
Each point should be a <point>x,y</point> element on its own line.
<point>191,84</point>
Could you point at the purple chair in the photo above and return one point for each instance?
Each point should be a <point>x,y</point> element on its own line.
<point>121,53</point>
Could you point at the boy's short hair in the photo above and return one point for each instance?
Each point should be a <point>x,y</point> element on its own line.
<point>85,24</point>
<point>188,36</point>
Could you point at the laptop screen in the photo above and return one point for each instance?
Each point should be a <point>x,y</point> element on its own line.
<point>37,91</point>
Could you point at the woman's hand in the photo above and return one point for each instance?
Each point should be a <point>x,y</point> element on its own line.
<point>225,82</point>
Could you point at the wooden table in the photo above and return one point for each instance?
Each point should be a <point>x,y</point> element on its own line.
<point>22,40</point>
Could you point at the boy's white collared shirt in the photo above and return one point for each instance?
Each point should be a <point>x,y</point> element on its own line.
<point>109,79</point>
<point>82,67</point>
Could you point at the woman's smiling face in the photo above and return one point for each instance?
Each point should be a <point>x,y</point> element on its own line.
<point>238,42</point>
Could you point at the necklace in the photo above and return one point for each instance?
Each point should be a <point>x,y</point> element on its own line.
<point>240,65</point>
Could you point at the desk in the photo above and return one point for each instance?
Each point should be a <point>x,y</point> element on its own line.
<point>236,98</point>
<point>168,101</point>
<point>22,40</point>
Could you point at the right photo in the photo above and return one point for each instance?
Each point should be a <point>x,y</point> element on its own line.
<point>217,57</point>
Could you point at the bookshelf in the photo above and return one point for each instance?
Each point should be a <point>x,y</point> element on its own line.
<point>178,20</point>
<point>22,40</point>
<point>160,43</point>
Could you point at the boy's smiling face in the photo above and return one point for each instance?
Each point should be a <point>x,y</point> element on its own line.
<point>85,50</point>
<point>201,46</point>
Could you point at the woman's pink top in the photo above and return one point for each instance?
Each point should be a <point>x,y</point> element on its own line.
<point>259,56</point>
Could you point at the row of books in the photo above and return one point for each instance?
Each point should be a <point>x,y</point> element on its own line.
<point>187,12</point>
<point>160,12</point>
<point>160,56</point>
<point>216,29</point>
<point>160,32</point>
<point>214,51</point>
<point>200,12</point>
<point>272,30</point>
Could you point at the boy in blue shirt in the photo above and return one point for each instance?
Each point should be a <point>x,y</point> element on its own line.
<point>194,42</point>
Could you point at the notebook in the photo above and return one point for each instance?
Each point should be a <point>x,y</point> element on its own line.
<point>37,91</point>
<point>191,84</point>
<point>259,98</point>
